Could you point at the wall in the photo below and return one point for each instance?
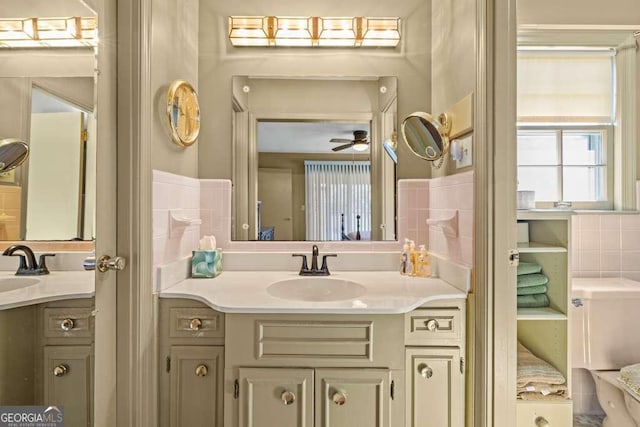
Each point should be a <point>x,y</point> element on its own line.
<point>453,59</point>
<point>10,214</point>
<point>174,55</point>
<point>295,163</point>
<point>218,62</point>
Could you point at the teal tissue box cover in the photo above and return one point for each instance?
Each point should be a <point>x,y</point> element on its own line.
<point>206,263</point>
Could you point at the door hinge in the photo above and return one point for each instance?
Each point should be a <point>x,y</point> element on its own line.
<point>462,365</point>
<point>84,136</point>
<point>168,367</point>
<point>514,257</point>
<point>393,390</point>
<point>236,389</point>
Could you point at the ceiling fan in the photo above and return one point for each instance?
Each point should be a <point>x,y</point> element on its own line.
<point>359,141</point>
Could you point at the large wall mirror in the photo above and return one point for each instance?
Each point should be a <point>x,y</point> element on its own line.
<point>49,102</point>
<point>315,168</point>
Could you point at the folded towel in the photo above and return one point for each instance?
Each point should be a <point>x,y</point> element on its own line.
<point>533,290</point>
<point>630,376</point>
<point>539,396</point>
<point>532,369</point>
<point>528,268</point>
<point>530,390</point>
<point>533,301</point>
<point>535,279</point>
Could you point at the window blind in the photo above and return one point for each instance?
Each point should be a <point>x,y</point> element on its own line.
<point>565,87</point>
<point>333,188</point>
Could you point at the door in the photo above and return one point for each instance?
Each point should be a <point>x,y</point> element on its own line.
<point>195,396</point>
<point>274,193</point>
<point>67,372</point>
<point>55,176</point>
<point>276,397</point>
<point>435,387</point>
<point>353,397</point>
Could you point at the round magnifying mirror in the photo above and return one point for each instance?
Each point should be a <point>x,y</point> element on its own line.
<point>182,113</point>
<point>426,136</point>
<point>13,153</point>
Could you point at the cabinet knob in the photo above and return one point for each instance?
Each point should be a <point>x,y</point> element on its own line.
<point>202,371</point>
<point>195,324</point>
<point>67,324</point>
<point>339,398</point>
<point>542,422</point>
<point>288,397</point>
<point>60,370</point>
<point>432,325</point>
<point>425,370</point>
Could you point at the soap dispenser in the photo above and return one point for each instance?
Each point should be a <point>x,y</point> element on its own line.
<point>424,264</point>
<point>404,259</point>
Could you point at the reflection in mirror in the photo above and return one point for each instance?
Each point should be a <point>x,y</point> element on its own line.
<point>51,195</point>
<point>13,153</point>
<point>315,164</point>
<point>427,137</point>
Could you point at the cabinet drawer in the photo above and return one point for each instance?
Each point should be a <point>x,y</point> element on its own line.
<point>195,323</point>
<point>433,326</point>
<point>534,414</point>
<point>68,322</point>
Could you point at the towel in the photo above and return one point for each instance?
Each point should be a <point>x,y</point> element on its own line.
<point>532,369</point>
<point>532,390</point>
<point>533,290</point>
<point>535,279</point>
<point>533,301</point>
<point>528,268</point>
<point>630,376</point>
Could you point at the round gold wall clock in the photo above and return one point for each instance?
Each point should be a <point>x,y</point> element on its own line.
<point>183,113</point>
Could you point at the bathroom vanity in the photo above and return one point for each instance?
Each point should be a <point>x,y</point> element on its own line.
<point>394,360</point>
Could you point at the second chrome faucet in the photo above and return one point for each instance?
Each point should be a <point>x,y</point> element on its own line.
<point>314,270</point>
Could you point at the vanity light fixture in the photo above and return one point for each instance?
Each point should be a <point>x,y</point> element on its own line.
<point>49,32</point>
<point>314,31</point>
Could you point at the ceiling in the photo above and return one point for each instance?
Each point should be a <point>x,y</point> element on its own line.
<point>45,8</point>
<point>305,137</point>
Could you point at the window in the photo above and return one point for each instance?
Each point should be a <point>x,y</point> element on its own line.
<point>565,127</point>
<point>338,200</point>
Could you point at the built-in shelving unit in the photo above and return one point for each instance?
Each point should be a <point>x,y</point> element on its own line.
<point>545,331</point>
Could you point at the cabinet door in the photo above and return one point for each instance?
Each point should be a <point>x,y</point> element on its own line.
<point>276,397</point>
<point>68,382</point>
<point>352,397</point>
<point>196,386</point>
<point>435,387</point>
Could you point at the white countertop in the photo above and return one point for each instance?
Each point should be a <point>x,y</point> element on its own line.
<point>246,292</point>
<point>58,285</point>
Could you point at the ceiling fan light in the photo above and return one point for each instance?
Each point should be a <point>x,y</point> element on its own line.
<point>360,146</point>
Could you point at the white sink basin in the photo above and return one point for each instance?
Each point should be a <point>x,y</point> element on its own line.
<point>316,289</point>
<point>12,283</point>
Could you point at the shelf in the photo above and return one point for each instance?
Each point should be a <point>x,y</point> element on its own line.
<point>544,313</point>
<point>535,247</point>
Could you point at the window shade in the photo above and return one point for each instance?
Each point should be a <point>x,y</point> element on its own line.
<point>565,87</point>
<point>334,188</point>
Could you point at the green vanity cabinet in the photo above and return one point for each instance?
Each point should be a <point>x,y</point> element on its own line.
<point>191,364</point>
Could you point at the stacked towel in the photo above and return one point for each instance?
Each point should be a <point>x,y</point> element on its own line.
<point>532,286</point>
<point>630,377</point>
<point>537,379</point>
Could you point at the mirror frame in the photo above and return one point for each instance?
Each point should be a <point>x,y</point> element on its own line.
<point>244,137</point>
<point>181,93</point>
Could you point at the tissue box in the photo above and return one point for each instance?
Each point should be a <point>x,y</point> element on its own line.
<point>206,263</point>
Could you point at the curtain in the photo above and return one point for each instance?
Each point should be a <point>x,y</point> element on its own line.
<point>333,188</point>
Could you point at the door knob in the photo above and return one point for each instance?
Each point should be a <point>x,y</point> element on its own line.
<point>117,263</point>
<point>60,370</point>
<point>67,324</point>
<point>425,370</point>
<point>288,397</point>
<point>432,325</point>
<point>202,371</point>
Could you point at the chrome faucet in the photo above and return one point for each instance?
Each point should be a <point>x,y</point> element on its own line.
<point>314,270</point>
<point>28,266</point>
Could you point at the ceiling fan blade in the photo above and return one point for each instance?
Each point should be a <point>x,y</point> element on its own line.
<point>341,147</point>
<point>340,140</point>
